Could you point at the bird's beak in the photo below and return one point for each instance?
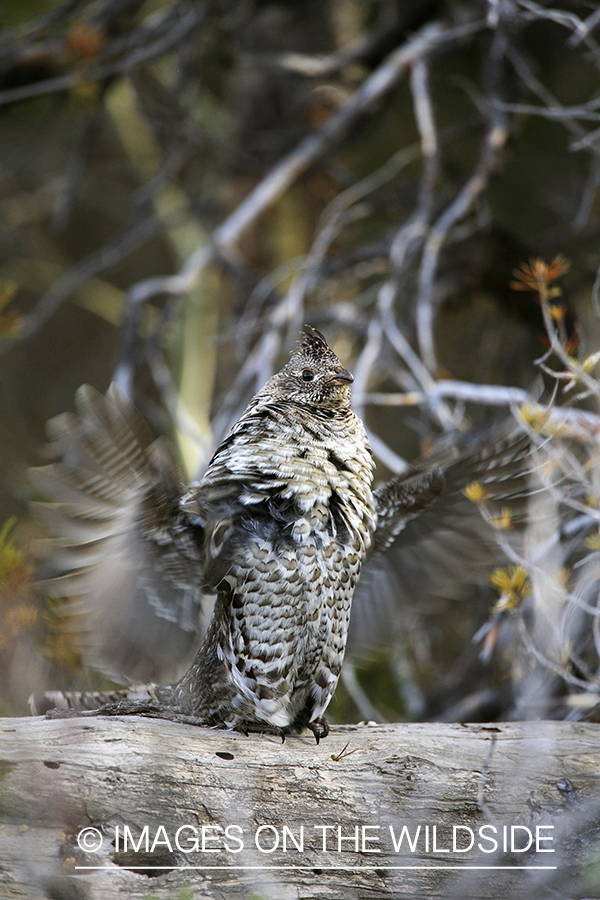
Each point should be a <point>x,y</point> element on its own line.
<point>342,377</point>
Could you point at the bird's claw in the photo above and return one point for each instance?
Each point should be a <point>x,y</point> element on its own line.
<point>319,727</point>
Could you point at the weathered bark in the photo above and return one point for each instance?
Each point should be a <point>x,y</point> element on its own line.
<point>59,777</point>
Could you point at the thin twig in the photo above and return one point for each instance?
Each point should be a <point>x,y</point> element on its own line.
<point>326,65</point>
<point>494,142</point>
<point>100,261</point>
<point>562,17</point>
<point>524,72</point>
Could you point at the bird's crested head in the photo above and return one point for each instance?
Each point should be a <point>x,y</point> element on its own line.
<point>314,375</point>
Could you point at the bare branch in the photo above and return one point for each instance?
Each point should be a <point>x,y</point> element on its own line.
<point>561,17</point>
<point>100,261</point>
<point>312,66</point>
<point>494,142</point>
<point>487,394</point>
<point>524,72</point>
<point>585,28</point>
<point>430,39</point>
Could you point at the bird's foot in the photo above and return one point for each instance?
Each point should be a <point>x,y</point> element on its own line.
<point>319,727</point>
<point>260,728</point>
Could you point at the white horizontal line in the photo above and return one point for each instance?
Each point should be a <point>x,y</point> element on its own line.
<point>133,865</point>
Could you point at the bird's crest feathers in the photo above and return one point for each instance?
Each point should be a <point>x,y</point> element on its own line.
<point>313,341</point>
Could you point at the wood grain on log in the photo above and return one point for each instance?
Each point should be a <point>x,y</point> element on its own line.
<point>246,796</point>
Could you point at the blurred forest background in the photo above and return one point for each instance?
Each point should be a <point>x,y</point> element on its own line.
<point>184,184</point>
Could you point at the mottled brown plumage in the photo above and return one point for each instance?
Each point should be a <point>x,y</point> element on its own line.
<point>287,515</point>
<point>276,531</point>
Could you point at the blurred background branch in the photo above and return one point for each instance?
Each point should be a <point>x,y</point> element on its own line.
<point>184,185</point>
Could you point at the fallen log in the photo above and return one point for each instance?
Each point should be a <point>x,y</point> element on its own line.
<point>99,808</point>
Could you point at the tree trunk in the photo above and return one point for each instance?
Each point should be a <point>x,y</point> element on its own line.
<point>297,820</point>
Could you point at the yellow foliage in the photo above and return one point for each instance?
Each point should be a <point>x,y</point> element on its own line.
<point>589,363</point>
<point>15,571</point>
<point>558,311</point>
<point>21,613</point>
<point>540,420</point>
<point>514,586</point>
<point>10,321</point>
<point>475,492</point>
<point>504,520</point>
<point>593,541</point>
<point>60,645</point>
<point>536,274</point>
<point>16,621</point>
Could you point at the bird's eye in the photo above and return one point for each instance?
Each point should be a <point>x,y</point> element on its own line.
<point>307,374</point>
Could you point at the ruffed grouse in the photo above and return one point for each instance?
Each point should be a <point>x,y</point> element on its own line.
<point>277,529</point>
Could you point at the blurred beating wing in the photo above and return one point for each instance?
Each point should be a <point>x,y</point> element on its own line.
<point>121,543</point>
<point>439,543</point>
